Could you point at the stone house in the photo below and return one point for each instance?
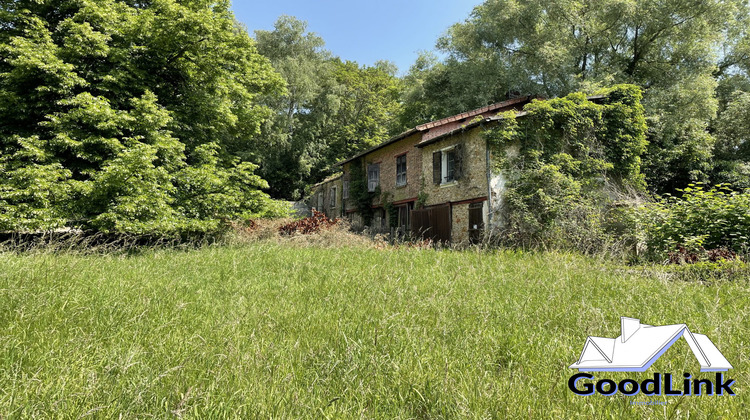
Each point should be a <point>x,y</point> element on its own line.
<point>434,180</point>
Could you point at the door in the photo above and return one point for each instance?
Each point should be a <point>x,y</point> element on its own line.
<point>476,222</point>
<point>432,223</point>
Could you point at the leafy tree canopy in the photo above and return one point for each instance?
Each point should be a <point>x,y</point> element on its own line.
<point>676,50</point>
<point>128,116</point>
<point>331,108</point>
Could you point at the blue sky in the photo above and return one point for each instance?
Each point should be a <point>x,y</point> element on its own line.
<point>367,31</point>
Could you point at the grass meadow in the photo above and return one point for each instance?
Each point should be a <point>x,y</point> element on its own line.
<point>266,330</point>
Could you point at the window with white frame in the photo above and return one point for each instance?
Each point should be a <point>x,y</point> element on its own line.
<point>401,170</point>
<point>446,165</point>
<point>345,190</point>
<point>333,197</point>
<point>373,176</point>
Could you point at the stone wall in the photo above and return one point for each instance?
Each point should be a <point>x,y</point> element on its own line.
<point>473,182</point>
<point>320,198</point>
<point>499,179</point>
<point>386,157</point>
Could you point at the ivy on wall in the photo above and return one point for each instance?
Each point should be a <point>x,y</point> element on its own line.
<point>569,150</point>
<point>585,138</point>
<point>390,209</point>
<point>359,193</point>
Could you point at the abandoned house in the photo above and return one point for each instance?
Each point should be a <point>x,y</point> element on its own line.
<point>434,180</point>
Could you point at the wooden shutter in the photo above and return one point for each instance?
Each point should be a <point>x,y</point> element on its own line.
<point>437,167</point>
<point>458,161</point>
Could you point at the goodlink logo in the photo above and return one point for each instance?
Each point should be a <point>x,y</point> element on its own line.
<point>636,349</point>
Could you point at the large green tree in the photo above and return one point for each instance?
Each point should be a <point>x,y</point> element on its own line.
<point>331,108</point>
<point>128,116</point>
<point>672,49</point>
<point>299,56</point>
<point>358,108</point>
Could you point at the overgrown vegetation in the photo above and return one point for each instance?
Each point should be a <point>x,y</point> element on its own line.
<point>273,330</point>
<point>572,154</point>
<point>129,117</point>
<point>359,192</point>
<point>690,57</point>
<point>308,225</point>
<point>701,219</point>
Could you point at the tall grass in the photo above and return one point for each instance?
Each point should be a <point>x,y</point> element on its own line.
<point>268,330</point>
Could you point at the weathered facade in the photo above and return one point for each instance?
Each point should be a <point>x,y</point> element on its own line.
<point>434,180</point>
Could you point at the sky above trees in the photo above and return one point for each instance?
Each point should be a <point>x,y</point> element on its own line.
<point>364,32</point>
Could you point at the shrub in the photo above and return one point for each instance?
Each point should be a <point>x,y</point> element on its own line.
<point>701,219</point>
<point>572,155</point>
<point>308,225</point>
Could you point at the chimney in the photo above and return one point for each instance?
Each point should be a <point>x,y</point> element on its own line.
<point>628,327</point>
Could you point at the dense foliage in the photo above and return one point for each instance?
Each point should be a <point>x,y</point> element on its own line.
<point>572,154</point>
<point>332,109</point>
<point>359,192</point>
<point>126,116</point>
<point>702,219</point>
<point>689,56</point>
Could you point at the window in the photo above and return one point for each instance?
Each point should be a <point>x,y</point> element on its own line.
<point>373,176</point>
<point>320,201</point>
<point>447,165</point>
<point>333,197</point>
<point>401,170</point>
<point>345,192</point>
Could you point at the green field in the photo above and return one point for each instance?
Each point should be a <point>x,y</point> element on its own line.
<point>266,330</point>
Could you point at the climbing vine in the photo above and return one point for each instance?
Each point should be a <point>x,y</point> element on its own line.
<point>358,191</point>
<point>569,150</point>
<point>390,208</point>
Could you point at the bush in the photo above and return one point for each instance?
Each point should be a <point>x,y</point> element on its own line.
<point>701,219</point>
<point>308,225</point>
<point>547,208</point>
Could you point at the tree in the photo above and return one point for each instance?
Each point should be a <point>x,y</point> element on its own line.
<point>357,108</point>
<point>331,108</point>
<point>299,56</point>
<point>552,48</point>
<point>732,152</point>
<point>104,105</point>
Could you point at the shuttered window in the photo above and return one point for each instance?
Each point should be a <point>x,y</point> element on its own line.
<point>450,166</point>
<point>458,167</point>
<point>447,165</point>
<point>437,164</point>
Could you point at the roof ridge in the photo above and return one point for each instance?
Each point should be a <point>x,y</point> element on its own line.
<point>473,112</point>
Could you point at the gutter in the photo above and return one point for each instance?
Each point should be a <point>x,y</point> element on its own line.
<point>489,185</point>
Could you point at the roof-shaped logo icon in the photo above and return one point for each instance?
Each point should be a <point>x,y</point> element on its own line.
<point>640,345</point>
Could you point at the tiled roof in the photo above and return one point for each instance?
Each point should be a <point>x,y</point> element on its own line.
<point>438,129</point>
<point>474,113</point>
<point>432,125</point>
<point>381,145</point>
